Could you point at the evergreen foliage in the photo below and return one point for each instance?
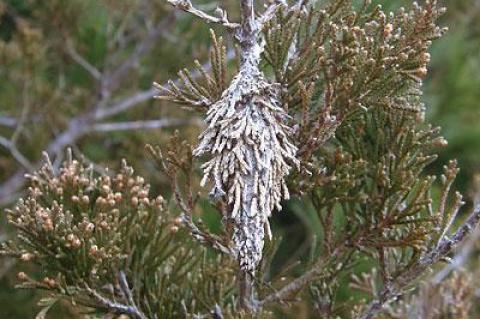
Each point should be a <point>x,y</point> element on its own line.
<point>324,108</point>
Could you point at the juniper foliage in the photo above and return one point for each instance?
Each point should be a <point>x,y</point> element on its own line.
<point>324,107</point>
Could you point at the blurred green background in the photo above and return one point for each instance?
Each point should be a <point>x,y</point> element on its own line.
<point>43,85</point>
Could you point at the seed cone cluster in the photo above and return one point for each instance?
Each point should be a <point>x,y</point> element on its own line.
<point>251,155</point>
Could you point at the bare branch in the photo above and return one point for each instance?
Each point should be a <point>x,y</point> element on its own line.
<point>140,97</point>
<point>270,13</point>
<point>25,112</point>
<point>128,294</point>
<point>79,126</point>
<point>397,286</point>
<point>187,6</point>
<point>8,121</point>
<point>162,29</point>
<point>93,71</point>
<point>10,146</point>
<point>204,238</point>
<point>143,125</point>
<point>460,257</point>
<point>299,283</point>
<point>115,306</point>
<point>125,104</point>
<point>10,189</point>
<point>187,206</point>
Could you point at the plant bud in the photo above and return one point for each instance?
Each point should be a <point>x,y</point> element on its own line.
<point>85,199</point>
<point>27,257</point>
<point>387,30</point>
<point>22,276</point>
<point>135,201</point>
<point>118,197</point>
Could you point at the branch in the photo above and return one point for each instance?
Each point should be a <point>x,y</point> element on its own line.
<point>10,189</point>
<point>93,71</point>
<point>162,29</point>
<point>116,307</point>
<point>143,96</point>
<point>10,146</point>
<point>205,238</point>
<point>446,245</point>
<point>8,121</point>
<point>128,294</point>
<point>143,125</point>
<point>459,259</point>
<point>125,104</point>
<point>187,6</point>
<point>187,206</point>
<point>299,283</point>
<point>79,126</point>
<point>270,13</point>
<point>248,17</point>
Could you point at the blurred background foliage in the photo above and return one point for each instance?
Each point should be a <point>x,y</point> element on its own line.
<point>43,86</point>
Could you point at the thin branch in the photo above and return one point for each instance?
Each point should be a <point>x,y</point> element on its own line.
<point>269,13</point>
<point>162,29</point>
<point>187,6</point>
<point>397,286</point>
<point>299,283</point>
<point>78,154</point>
<point>125,104</point>
<point>116,307</point>
<point>205,238</point>
<point>78,127</point>
<point>8,121</point>
<point>10,189</point>
<point>10,146</point>
<point>24,115</point>
<point>92,70</point>
<point>128,293</point>
<point>143,125</point>
<point>187,206</point>
<point>460,258</point>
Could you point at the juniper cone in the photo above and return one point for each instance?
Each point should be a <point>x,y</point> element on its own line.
<point>250,150</point>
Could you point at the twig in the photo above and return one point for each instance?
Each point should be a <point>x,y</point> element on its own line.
<point>398,284</point>
<point>247,36</point>
<point>10,146</point>
<point>125,104</point>
<point>143,125</point>
<point>116,307</point>
<point>205,238</point>
<point>93,71</point>
<point>269,13</point>
<point>24,115</point>
<point>8,121</point>
<point>78,127</point>
<point>460,258</point>
<point>162,29</point>
<point>187,6</point>
<point>187,206</point>
<point>300,282</point>
<point>128,293</point>
<point>78,154</point>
